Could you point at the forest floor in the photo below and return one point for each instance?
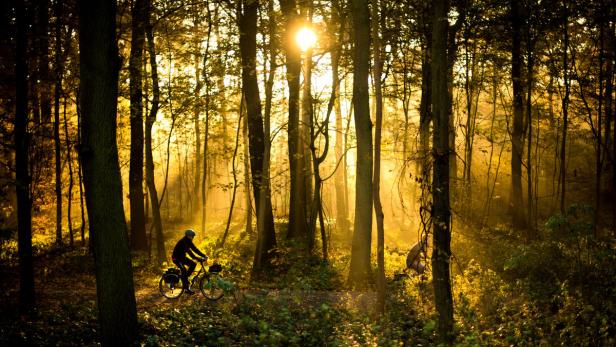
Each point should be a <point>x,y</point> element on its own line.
<point>292,307</point>
<point>505,293</point>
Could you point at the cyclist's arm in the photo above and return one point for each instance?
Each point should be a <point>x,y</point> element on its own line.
<point>196,250</point>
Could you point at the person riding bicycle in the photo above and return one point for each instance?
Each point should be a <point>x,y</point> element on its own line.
<point>184,247</point>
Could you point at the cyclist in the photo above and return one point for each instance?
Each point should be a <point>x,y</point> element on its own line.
<point>184,247</point>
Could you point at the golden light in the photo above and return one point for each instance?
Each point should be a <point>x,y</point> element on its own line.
<point>305,38</point>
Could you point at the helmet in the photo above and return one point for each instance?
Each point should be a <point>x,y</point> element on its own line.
<point>189,232</point>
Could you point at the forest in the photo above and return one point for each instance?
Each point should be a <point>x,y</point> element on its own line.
<point>341,173</point>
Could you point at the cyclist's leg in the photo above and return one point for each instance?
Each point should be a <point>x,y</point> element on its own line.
<point>185,273</point>
<point>191,266</point>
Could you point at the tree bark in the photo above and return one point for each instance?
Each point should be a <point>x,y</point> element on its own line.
<point>565,107</point>
<point>149,122</point>
<point>22,175</point>
<point>69,194</point>
<point>342,211</point>
<point>99,68</point>
<point>135,177</point>
<point>56,122</point>
<point>362,236</point>
<point>378,207</point>
<point>441,214</point>
<point>206,137</point>
<point>266,237</point>
<point>297,227</point>
<point>517,133</point>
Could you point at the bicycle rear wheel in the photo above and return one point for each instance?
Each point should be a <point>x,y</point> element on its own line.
<point>170,286</point>
<point>208,285</point>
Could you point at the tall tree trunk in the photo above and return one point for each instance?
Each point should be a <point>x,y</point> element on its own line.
<point>69,195</point>
<point>529,123</point>
<point>266,238</point>
<point>306,127</point>
<point>342,211</point>
<point>149,122</point>
<point>517,133</point>
<point>425,109</point>
<point>234,172</point>
<point>441,214</point>
<point>362,237</point>
<point>44,76</point>
<point>248,201</point>
<point>565,107</point>
<point>206,137</point>
<point>135,177</point>
<point>297,227</point>
<point>378,207</point>
<point>197,124</point>
<point>82,207</point>
<point>22,175</point>
<point>265,196</point>
<point>99,68</point>
<point>56,122</point>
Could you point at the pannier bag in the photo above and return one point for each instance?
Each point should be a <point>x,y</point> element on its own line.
<point>172,275</point>
<point>215,268</point>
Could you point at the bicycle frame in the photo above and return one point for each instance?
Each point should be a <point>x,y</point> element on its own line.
<point>198,275</point>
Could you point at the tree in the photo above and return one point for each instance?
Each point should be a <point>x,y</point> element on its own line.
<point>56,126</point>
<point>342,223</point>
<point>441,214</point>
<point>139,240</point>
<point>565,108</point>
<point>99,67</point>
<point>266,238</point>
<point>362,236</point>
<point>297,227</point>
<point>517,133</point>
<point>22,175</point>
<point>149,122</point>
<point>378,207</point>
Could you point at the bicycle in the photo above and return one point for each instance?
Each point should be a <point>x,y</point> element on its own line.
<point>171,286</point>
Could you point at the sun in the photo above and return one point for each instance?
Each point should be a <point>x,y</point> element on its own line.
<point>305,38</point>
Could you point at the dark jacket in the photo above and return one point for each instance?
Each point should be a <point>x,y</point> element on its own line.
<point>183,247</point>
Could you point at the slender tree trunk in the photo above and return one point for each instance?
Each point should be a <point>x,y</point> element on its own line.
<point>441,214</point>
<point>306,127</point>
<point>529,124</point>
<point>99,68</point>
<point>599,157</point>
<point>362,237</point>
<point>233,167</point>
<point>82,207</point>
<point>265,196</point>
<point>206,137</point>
<point>378,207</point>
<point>69,196</point>
<point>56,123</point>
<point>517,133</point>
<point>565,107</point>
<point>181,180</point>
<point>307,139</point>
<point>135,176</point>
<point>425,109</point>
<point>22,175</point>
<point>45,77</point>
<point>248,201</point>
<point>197,125</point>
<point>149,160</point>
<point>266,238</point>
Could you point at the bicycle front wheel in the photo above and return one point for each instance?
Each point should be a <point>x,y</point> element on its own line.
<point>170,286</point>
<point>210,288</point>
